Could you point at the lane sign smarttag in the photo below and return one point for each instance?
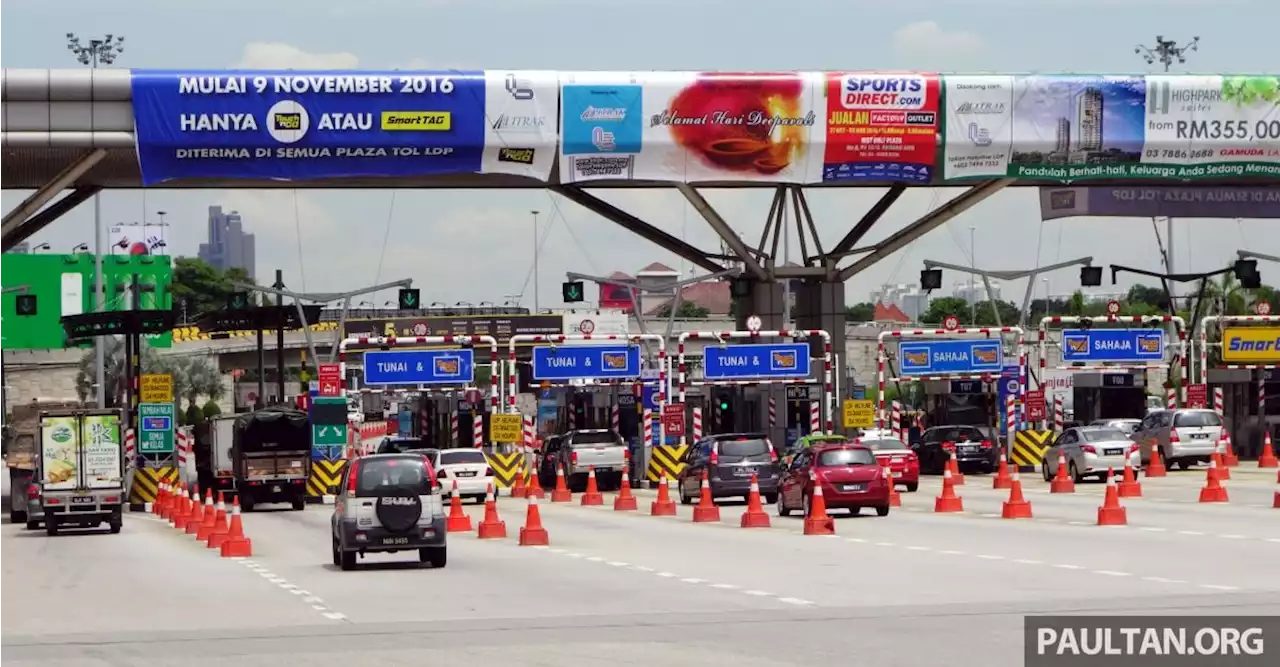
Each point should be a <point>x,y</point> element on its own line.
<point>1112,345</point>
<point>419,367</point>
<point>943,357</point>
<point>762,360</point>
<point>574,362</point>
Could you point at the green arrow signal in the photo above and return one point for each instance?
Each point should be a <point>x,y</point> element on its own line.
<point>573,291</point>
<point>409,299</point>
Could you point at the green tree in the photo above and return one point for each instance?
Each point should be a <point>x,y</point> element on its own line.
<point>211,409</point>
<point>114,378</point>
<point>195,377</point>
<point>688,310</point>
<point>860,312</point>
<point>193,415</point>
<point>199,287</point>
<point>948,305</point>
<point>1008,313</point>
<point>1151,296</point>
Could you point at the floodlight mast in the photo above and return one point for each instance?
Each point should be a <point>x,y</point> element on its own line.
<point>1029,274</point>
<point>324,297</point>
<point>676,287</point>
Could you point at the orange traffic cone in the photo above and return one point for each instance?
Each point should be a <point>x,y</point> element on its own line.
<point>218,532</point>
<point>663,506</point>
<point>816,522</point>
<point>561,493</point>
<point>492,527</point>
<point>1276,504</point>
<point>236,545</point>
<point>706,510</point>
<point>1062,483</point>
<point>625,502</point>
<point>1229,457</point>
<point>532,534</point>
<point>210,514</point>
<point>1111,513</point>
<point>592,496</point>
<point>948,501</point>
<point>191,509</point>
<point>895,498</point>
<point>179,507</point>
<point>534,488</point>
<point>1002,479</point>
<point>1155,467</point>
<point>1213,491</point>
<point>1130,487</point>
<point>458,521</point>
<point>953,464</point>
<point>755,516</point>
<point>197,513</point>
<point>1267,459</point>
<point>519,490</point>
<point>1016,507</point>
<point>158,505</point>
<point>1218,465</point>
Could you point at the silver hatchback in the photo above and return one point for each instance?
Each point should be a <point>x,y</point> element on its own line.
<point>1183,436</point>
<point>1091,451</point>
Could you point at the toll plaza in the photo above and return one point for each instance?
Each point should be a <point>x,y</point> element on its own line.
<point>1241,371</point>
<point>1112,364</point>
<point>966,380</point>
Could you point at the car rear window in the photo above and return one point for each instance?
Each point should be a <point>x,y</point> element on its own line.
<point>402,445</point>
<point>1197,418</point>
<point>883,444</point>
<point>746,447</point>
<point>1104,434</point>
<point>959,434</point>
<point>597,438</point>
<point>462,456</point>
<point>846,457</point>
<point>378,476</point>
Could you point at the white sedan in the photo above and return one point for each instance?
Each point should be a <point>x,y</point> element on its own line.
<point>1092,451</point>
<point>468,467</point>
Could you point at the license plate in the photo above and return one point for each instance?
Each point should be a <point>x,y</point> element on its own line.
<point>275,488</point>
<point>1112,452</point>
<point>968,450</point>
<point>80,500</point>
<point>897,475</point>
<point>395,540</point>
<point>1199,436</point>
<point>744,472</point>
<point>604,468</point>
<point>855,487</point>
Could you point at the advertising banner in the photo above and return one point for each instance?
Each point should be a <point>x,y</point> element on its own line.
<point>299,125</point>
<point>1055,128</point>
<point>1174,201</point>
<point>1251,345</point>
<point>101,442</point>
<point>881,127</point>
<point>690,127</point>
<point>1209,126</point>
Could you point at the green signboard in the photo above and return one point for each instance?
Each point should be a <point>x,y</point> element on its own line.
<point>155,428</point>
<point>323,435</point>
<point>63,285</point>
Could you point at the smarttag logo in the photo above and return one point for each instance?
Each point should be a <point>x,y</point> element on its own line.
<point>287,121</point>
<point>883,91</point>
<point>516,155</point>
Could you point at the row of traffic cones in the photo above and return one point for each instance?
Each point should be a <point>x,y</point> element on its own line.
<point>532,534</point>
<point>209,523</point>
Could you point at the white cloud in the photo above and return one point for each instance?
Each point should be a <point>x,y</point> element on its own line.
<point>275,55</point>
<point>928,39</point>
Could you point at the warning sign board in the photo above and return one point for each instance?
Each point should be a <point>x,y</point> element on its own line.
<point>1034,401</point>
<point>1198,396</point>
<point>156,388</point>
<point>673,419</point>
<point>859,413</point>
<point>506,428</point>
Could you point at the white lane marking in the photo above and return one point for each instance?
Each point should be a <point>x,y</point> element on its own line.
<point>319,607</point>
<point>617,563</point>
<point>1077,523</point>
<point>951,552</point>
<point>1274,540</point>
<point>1163,580</point>
<point>1190,532</point>
<point>1067,566</point>
<point>574,555</point>
<point>1232,537</point>
<point>724,587</point>
<point>334,616</point>
<point>311,599</point>
<point>641,568</point>
<point>1111,573</point>
<point>1216,587</point>
<point>990,557</point>
<point>666,575</point>
<point>277,580</point>
<point>595,559</point>
<point>1153,529</point>
<point>857,540</point>
<point>914,548</point>
<point>555,550</point>
<point>694,580</point>
<point>795,601</point>
<point>759,594</point>
<point>1028,561</point>
<point>540,547</point>
<point>886,544</point>
<point>989,516</point>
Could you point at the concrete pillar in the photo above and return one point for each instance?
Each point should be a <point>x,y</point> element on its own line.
<point>764,300</point>
<point>820,305</point>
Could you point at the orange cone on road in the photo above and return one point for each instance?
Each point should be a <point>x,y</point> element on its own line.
<point>1002,479</point>
<point>1219,466</point>
<point>948,501</point>
<point>1111,513</point>
<point>210,514</point>
<point>236,545</point>
<point>197,513</point>
<point>1062,483</point>
<point>178,509</point>
<point>625,502</point>
<point>1267,459</point>
<point>1016,507</point>
<point>532,534</point>
<point>755,516</point>
<point>1155,467</point>
<point>157,507</point>
<point>1213,491</point>
<point>1130,487</point>
<point>492,527</point>
<point>706,510</point>
<point>534,488</point>
<point>458,521</point>
<point>592,496</point>
<point>663,506</point>
<point>218,533</point>
<point>895,498</point>
<point>953,464</point>
<point>1229,458</point>
<point>519,490</point>
<point>561,493</point>
<point>816,522</point>
<point>1276,504</point>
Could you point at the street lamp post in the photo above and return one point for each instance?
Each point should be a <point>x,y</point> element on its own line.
<point>536,308</point>
<point>1029,274</point>
<point>104,51</point>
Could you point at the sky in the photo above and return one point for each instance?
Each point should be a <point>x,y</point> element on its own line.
<point>479,246</point>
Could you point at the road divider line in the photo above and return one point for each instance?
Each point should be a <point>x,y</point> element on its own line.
<point>314,601</point>
<point>1112,573</point>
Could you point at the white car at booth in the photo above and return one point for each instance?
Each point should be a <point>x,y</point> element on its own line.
<point>468,467</point>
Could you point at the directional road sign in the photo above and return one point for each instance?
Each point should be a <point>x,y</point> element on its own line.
<point>419,367</point>
<point>323,435</point>
<point>775,360</point>
<point>573,362</point>
<point>950,357</point>
<point>156,432</point>
<point>1114,345</point>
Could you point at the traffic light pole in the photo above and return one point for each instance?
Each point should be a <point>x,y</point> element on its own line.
<point>1029,274</point>
<point>677,288</point>
<point>1166,278</point>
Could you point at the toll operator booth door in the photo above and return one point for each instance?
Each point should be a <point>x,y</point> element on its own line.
<point>960,403</point>
<point>628,416</point>
<point>1109,396</point>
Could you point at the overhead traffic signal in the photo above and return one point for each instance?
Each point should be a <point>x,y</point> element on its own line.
<point>931,279</point>
<point>1090,276</point>
<point>410,299</point>
<point>25,305</point>
<point>1246,271</point>
<point>572,291</point>
<point>238,301</point>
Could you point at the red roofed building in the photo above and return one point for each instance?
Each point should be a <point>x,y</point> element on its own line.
<point>890,313</point>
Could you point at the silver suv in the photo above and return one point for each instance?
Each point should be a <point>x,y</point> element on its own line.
<point>390,503</point>
<point>1183,436</point>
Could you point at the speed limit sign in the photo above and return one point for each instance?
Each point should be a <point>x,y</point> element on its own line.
<point>754,323</point>
<point>950,323</point>
<point>1263,308</point>
<point>1113,307</point>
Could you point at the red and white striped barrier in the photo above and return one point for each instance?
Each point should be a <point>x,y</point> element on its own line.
<point>527,431</point>
<point>130,446</point>
<point>1219,402</point>
<point>895,422</point>
<point>477,431</point>
<point>1059,414</point>
<point>1171,398</point>
<point>453,430</point>
<point>697,424</point>
<point>1010,421</point>
<point>773,412</point>
<point>1206,322</point>
<point>615,419</point>
<point>646,423</point>
<point>815,417</point>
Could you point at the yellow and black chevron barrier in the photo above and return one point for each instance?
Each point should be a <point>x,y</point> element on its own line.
<point>325,478</point>
<point>1029,448</point>
<point>505,468</point>
<point>146,485</point>
<point>668,459</point>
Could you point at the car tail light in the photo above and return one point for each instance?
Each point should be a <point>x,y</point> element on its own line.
<point>948,445</point>
<point>488,472</point>
<point>33,492</point>
<point>431,471</point>
<point>986,444</point>
<point>912,458</point>
<point>1222,433</point>
<point>1173,435</point>
<point>352,473</point>
<point>1088,449</point>
<point>715,458</point>
<point>111,499</point>
<point>573,458</point>
<point>1132,450</point>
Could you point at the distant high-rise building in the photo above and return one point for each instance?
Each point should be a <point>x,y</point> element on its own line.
<point>1062,139</point>
<point>228,245</point>
<point>975,292</point>
<point>1088,120</point>
<point>21,248</point>
<point>908,298</point>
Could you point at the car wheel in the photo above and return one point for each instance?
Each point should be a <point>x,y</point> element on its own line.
<point>684,500</point>
<point>50,526</point>
<point>115,524</point>
<point>781,504</point>
<point>882,510</point>
<point>437,557</point>
<point>299,504</point>
<point>246,504</point>
<point>18,516</point>
<point>913,487</point>
<point>807,506</point>
<point>770,498</point>
<point>480,499</point>
<point>855,511</point>
<point>337,553</point>
<point>1184,464</point>
<point>1075,474</point>
<point>33,525</point>
<point>1044,470</point>
<point>348,560</point>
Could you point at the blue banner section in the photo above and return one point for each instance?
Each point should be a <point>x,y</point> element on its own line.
<point>734,362</point>
<point>576,362</point>
<point>301,125</point>
<point>1008,386</point>
<point>950,357</point>
<point>1112,345</point>
<point>419,367</point>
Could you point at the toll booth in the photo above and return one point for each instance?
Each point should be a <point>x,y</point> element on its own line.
<point>1104,395</point>
<point>962,403</point>
<point>1249,405</point>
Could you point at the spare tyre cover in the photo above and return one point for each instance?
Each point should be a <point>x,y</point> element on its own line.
<point>399,512</point>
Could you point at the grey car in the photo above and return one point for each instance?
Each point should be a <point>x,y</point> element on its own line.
<point>389,503</point>
<point>1091,451</point>
<point>730,460</point>
<point>1183,436</point>
<point>1129,426</point>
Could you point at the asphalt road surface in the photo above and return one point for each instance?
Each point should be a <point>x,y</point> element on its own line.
<point>622,589</point>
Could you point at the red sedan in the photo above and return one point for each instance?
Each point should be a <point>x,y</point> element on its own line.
<point>899,459</point>
<point>850,476</point>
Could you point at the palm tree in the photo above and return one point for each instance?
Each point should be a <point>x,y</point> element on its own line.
<point>196,376</point>
<point>1224,296</point>
<point>114,377</point>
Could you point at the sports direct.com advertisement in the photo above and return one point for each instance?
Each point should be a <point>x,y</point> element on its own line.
<point>881,127</point>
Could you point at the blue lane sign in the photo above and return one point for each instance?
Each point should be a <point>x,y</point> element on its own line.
<point>576,362</point>
<point>943,357</point>
<point>156,424</point>
<point>1101,345</point>
<point>419,367</point>
<point>756,361</point>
